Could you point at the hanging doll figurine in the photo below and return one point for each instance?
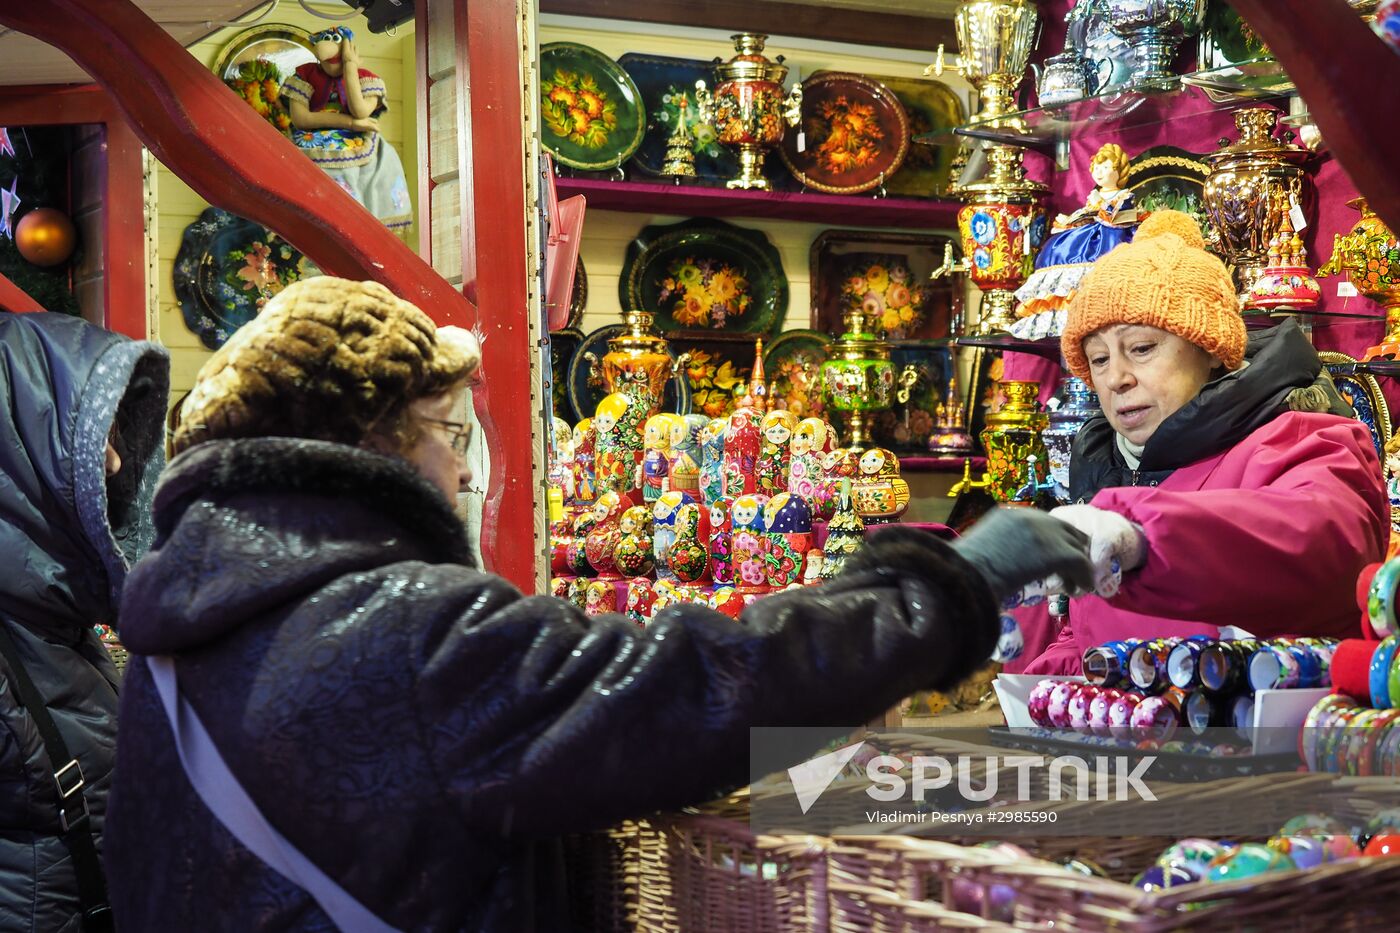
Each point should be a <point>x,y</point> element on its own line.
<point>1108,219</point>
<point>334,105</point>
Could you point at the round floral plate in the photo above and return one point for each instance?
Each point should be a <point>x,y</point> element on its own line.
<point>227,268</point>
<point>1363,393</point>
<point>285,47</point>
<point>705,275</point>
<point>591,114</point>
<point>586,390</point>
<point>854,134</point>
<point>793,365</point>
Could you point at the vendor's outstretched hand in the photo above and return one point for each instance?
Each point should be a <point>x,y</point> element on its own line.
<point>1111,537</point>
<point>1013,547</point>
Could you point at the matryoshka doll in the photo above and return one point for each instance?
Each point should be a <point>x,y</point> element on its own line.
<point>559,587</point>
<point>725,600</point>
<point>578,591</point>
<point>837,464</point>
<point>663,531</point>
<point>600,597</point>
<point>685,453</point>
<point>880,495</point>
<point>585,457</point>
<point>712,460</point>
<point>811,441</point>
<point>750,548</point>
<point>656,456</point>
<point>773,454</point>
<point>640,597</point>
<point>619,442</point>
<point>787,520</point>
<point>601,543</point>
<point>561,459</point>
<point>575,555</point>
<point>690,552</point>
<point>722,540</point>
<point>633,555</point>
<point>742,441</point>
<point>844,533</point>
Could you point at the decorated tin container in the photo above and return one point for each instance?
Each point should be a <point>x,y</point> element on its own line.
<point>712,460</point>
<point>742,443</point>
<point>722,540</point>
<point>773,455</point>
<point>750,551</point>
<point>788,523</point>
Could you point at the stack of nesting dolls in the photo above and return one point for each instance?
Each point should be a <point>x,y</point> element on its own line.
<point>711,511</point>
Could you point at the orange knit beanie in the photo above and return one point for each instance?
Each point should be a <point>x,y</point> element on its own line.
<point>1164,278</point>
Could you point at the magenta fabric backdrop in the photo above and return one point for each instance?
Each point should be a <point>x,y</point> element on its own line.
<point>1200,132</point>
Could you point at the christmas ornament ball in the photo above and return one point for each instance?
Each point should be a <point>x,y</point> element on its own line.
<point>45,237</point>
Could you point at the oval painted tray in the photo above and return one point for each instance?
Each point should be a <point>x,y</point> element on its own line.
<point>663,81</point>
<point>931,107</point>
<point>584,394</point>
<point>856,134</point>
<point>705,275</point>
<point>591,114</point>
<point>793,365</point>
<point>227,269</point>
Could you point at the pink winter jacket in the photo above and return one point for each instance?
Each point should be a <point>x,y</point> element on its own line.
<point>1268,536</point>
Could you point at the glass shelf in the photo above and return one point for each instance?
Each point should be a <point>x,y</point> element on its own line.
<point>1385,368</point>
<point>1169,99</point>
<point>1266,318</point>
<point>1048,347</point>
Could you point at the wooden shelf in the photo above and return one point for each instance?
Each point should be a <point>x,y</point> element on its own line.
<point>691,200</point>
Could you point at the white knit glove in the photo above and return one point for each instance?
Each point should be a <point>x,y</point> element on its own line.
<point>1112,539</point>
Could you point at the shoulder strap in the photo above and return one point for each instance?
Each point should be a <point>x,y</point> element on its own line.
<point>68,779</point>
<point>229,802</point>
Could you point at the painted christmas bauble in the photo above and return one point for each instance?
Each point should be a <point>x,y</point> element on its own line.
<point>1305,851</point>
<point>1038,704</point>
<point>45,237</point>
<point>1194,854</point>
<point>1247,861</point>
<point>1386,844</point>
<point>1161,877</point>
<point>1058,711</point>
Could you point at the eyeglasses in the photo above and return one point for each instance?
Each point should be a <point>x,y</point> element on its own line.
<point>459,433</point>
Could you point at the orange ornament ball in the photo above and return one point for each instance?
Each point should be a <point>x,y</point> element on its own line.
<point>45,237</point>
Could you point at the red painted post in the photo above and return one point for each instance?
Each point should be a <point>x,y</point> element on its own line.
<point>223,150</point>
<point>495,261</point>
<point>13,298</point>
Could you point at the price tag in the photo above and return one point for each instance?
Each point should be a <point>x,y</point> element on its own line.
<point>1300,222</point>
<point>1346,290</point>
<point>1026,242</point>
<point>801,141</point>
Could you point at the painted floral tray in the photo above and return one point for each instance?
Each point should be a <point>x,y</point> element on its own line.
<point>854,134</point>
<point>227,268</point>
<point>586,391</point>
<point>705,275</point>
<point>1364,394</point>
<point>931,107</point>
<point>886,274</point>
<point>792,363</point>
<point>563,347</point>
<point>591,114</point>
<point>717,373</point>
<point>667,84</point>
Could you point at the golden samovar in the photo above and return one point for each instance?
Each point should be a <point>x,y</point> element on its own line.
<point>748,108</point>
<point>638,362</point>
<point>858,378</point>
<point>1012,434</point>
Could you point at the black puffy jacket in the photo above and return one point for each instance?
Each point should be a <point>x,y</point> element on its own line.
<point>67,537</point>
<point>421,731</point>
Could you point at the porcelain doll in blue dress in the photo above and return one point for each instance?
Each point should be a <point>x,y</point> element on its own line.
<point>1106,220</point>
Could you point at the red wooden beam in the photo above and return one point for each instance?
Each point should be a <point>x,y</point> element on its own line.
<point>226,152</point>
<point>14,298</point>
<point>494,244</point>
<point>1351,82</point>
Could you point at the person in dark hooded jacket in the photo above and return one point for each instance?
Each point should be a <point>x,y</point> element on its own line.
<point>1226,476</point>
<point>81,416</point>
<point>418,730</point>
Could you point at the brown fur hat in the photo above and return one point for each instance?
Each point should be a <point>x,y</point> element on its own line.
<point>327,359</point>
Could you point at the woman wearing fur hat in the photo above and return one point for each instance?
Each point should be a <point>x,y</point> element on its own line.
<point>413,733</point>
<point>1226,475</point>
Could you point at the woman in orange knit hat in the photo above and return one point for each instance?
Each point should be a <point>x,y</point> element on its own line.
<point>1226,476</point>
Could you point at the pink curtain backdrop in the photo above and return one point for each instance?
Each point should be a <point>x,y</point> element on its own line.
<point>1200,131</point>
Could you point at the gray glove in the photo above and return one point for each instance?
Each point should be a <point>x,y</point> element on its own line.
<point>1013,547</point>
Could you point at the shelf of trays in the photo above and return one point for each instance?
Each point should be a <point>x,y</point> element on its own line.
<point>1167,100</point>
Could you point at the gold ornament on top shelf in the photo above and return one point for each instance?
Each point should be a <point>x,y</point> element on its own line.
<point>1369,256</point>
<point>748,108</point>
<point>638,362</point>
<point>680,154</point>
<point>1251,187</point>
<point>995,40</point>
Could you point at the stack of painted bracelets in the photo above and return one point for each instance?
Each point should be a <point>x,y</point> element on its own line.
<point>1142,691</point>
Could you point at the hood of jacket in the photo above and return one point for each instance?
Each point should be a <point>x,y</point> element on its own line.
<point>75,533</point>
<point>268,521</point>
<point>1284,373</point>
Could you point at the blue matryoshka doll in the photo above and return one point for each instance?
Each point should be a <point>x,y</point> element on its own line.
<point>664,514</point>
<point>788,528</point>
<point>712,460</point>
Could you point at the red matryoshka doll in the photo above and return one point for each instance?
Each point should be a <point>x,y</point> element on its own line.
<point>578,591</point>
<point>837,464</point>
<point>712,460</point>
<point>575,554</point>
<point>787,521</point>
<point>585,456</point>
<point>722,540</point>
<point>666,594</point>
<point>879,495</point>
<point>742,441</point>
<point>663,515</point>
<point>690,552</point>
<point>600,597</point>
<point>844,533</point>
<point>724,599</point>
<point>601,543</point>
<point>811,441</point>
<point>773,453</point>
<point>685,453</point>
<point>640,597</point>
<point>559,587</point>
<point>750,550</point>
<point>617,424</point>
<point>656,455</point>
<point>633,556</point>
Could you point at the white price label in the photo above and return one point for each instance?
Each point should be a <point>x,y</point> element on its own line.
<point>801,141</point>
<point>1026,242</point>
<point>1300,223</point>
<point>1346,290</point>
